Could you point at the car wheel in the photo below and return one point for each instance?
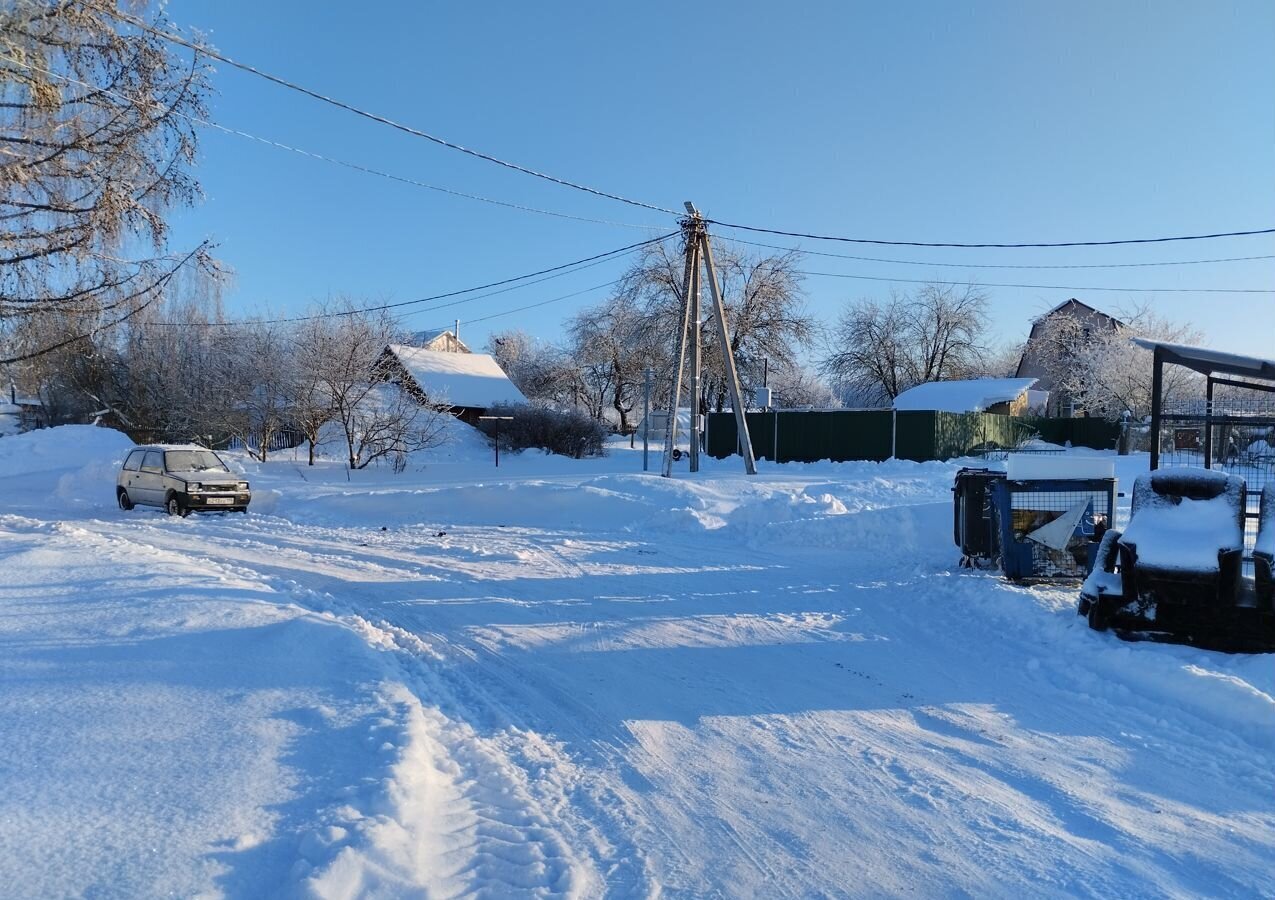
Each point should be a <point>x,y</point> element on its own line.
<point>125,503</point>
<point>175,507</point>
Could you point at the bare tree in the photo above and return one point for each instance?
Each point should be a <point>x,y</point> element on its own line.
<point>880,349</point>
<point>538,369</point>
<point>309,398</point>
<point>257,374</point>
<point>1000,361</point>
<point>765,315</point>
<point>612,344</point>
<point>796,386</point>
<point>376,419</point>
<point>159,375</point>
<point>388,421</point>
<point>97,139</point>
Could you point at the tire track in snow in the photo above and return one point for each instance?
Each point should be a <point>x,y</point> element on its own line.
<point>509,844</point>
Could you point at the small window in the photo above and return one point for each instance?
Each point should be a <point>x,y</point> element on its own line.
<point>154,462</point>
<point>134,461</point>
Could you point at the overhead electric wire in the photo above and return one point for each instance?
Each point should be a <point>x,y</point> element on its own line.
<point>518,309</point>
<point>952,265</point>
<point>213,54</point>
<point>283,82</point>
<point>1046,287</point>
<point>407,129</point>
<point>358,167</point>
<point>159,283</point>
<point>552,272</point>
<point>1006,246</point>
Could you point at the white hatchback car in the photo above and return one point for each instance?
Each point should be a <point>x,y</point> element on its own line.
<point>180,478</point>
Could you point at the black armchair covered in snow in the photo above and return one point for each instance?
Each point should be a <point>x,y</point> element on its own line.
<point>1185,541</point>
<point>1179,566</point>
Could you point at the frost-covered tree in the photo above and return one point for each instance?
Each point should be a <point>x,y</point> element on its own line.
<point>376,419</point>
<point>797,387</point>
<point>612,344</point>
<point>879,349</point>
<point>309,400</point>
<point>97,142</point>
<point>1104,372</point>
<point>765,314</point>
<point>539,369</point>
<point>258,372</point>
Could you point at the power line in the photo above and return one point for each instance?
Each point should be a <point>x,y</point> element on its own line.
<point>201,48</point>
<point>407,129</point>
<point>518,309</point>
<point>850,240</point>
<point>552,272</point>
<point>358,167</point>
<point>208,51</point>
<point>1047,287</point>
<point>918,262</point>
<point>164,279</point>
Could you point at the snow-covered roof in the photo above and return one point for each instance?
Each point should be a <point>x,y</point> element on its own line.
<point>969,395</point>
<point>1074,301</point>
<point>462,379</point>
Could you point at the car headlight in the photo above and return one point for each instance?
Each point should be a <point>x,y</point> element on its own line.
<point>243,486</point>
<point>194,486</point>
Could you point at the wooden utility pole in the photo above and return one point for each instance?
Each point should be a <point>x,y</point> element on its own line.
<point>670,426</point>
<point>697,363</point>
<point>699,251</point>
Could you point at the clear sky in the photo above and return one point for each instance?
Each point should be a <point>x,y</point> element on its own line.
<point>1003,122</point>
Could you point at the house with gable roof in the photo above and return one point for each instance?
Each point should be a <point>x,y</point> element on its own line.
<point>1032,364</point>
<point>468,383</point>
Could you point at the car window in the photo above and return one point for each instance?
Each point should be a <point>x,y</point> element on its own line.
<point>193,461</point>
<point>154,461</point>
<point>134,461</point>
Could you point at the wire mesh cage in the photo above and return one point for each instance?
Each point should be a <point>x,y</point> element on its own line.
<point>1050,529</point>
<point>1233,432</point>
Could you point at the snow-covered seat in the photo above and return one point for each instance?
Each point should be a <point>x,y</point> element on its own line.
<point>1264,551</point>
<point>1185,539</point>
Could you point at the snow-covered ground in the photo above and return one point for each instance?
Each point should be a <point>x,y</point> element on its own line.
<point>571,678</point>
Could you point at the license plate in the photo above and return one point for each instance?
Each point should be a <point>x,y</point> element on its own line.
<point>220,501</point>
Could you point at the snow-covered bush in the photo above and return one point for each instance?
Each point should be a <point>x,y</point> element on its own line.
<point>566,432</point>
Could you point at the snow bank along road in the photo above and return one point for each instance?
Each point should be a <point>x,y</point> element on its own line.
<point>576,682</point>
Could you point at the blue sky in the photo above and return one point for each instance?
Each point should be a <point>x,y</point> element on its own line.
<point>936,122</point>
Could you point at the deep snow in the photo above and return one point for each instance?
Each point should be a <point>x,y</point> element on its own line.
<point>566,677</point>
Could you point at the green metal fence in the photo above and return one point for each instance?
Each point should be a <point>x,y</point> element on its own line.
<point>843,434</point>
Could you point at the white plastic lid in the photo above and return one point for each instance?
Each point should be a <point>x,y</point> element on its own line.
<point>1042,466</point>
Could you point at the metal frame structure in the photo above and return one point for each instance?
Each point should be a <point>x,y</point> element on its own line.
<point>1217,417</point>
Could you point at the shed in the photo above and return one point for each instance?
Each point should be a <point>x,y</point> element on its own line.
<point>470,383</point>
<point>1009,396</point>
